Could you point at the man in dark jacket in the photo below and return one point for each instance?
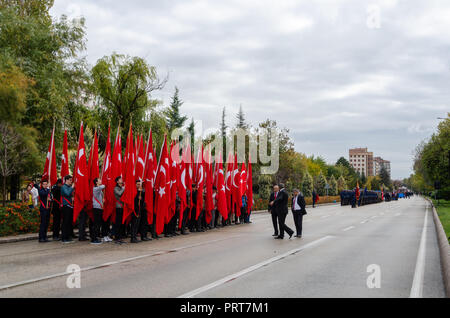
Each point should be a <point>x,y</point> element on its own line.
<point>44,210</point>
<point>56,209</point>
<point>280,204</point>
<point>139,207</point>
<point>273,196</point>
<point>67,210</point>
<point>298,211</point>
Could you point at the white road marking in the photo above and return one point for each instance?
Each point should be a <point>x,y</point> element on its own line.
<point>374,217</point>
<point>348,228</point>
<point>252,268</point>
<point>42,278</point>
<point>417,285</point>
<point>325,216</point>
<point>398,214</point>
<point>365,221</point>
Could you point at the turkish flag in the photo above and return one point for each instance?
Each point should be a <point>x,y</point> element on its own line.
<point>106,169</point>
<point>228,181</point>
<point>81,177</point>
<point>237,199</point>
<point>249,186</point>
<point>162,186</point>
<point>149,178</point>
<point>130,179</point>
<point>243,181</point>
<point>50,173</point>
<point>200,175</point>
<point>174,171</point>
<point>221,190</point>
<point>183,173</point>
<point>93,174</point>
<point>65,157</point>
<point>209,204</point>
<point>140,163</point>
<point>115,171</point>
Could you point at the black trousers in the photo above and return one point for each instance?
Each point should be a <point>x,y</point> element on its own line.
<point>106,227</point>
<point>67,231</point>
<point>43,227</point>
<point>283,226</point>
<point>298,221</point>
<point>118,229</point>
<point>143,224</point>
<point>185,219</point>
<point>82,225</point>
<point>57,219</point>
<point>135,220</point>
<point>275,222</point>
<point>98,214</point>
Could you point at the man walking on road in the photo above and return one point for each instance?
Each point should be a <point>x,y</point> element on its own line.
<point>281,209</point>
<point>271,210</point>
<point>298,211</point>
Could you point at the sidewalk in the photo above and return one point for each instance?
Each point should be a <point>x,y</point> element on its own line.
<point>35,236</point>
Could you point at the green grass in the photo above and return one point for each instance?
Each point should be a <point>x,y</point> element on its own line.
<point>443,210</point>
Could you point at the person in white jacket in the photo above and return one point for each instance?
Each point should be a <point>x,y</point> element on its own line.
<point>35,194</point>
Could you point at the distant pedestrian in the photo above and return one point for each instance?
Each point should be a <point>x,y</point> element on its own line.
<point>28,196</point>
<point>35,193</point>
<point>314,198</point>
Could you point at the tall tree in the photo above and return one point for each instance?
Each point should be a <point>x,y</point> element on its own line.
<point>124,85</point>
<point>307,185</point>
<point>172,113</point>
<point>240,116</point>
<point>385,177</point>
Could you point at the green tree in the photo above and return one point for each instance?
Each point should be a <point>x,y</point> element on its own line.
<point>307,185</point>
<point>333,186</point>
<point>341,184</point>
<point>240,116</point>
<point>124,85</point>
<point>172,113</point>
<point>384,176</point>
<point>319,184</point>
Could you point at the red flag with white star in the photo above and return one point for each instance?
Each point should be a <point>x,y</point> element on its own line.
<point>162,186</point>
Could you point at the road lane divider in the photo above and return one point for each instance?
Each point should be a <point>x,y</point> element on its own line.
<point>125,260</point>
<point>348,228</point>
<point>417,285</point>
<point>255,267</point>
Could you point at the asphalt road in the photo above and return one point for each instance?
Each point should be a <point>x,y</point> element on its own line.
<point>392,245</point>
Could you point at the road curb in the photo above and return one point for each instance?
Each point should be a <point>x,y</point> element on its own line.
<point>444,249</point>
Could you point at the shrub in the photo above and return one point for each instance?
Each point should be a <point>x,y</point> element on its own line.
<point>17,218</point>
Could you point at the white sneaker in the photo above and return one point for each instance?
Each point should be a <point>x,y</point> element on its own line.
<point>108,239</point>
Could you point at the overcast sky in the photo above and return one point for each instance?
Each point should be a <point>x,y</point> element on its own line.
<point>338,74</point>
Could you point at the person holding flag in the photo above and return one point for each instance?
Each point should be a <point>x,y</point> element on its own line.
<point>67,209</point>
<point>118,229</point>
<point>97,205</point>
<point>44,210</point>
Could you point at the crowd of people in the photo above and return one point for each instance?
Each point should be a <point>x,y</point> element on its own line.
<point>57,202</point>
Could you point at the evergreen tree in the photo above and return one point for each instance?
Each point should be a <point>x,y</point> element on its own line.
<point>333,186</point>
<point>241,119</point>
<point>172,113</point>
<point>319,184</point>
<point>191,131</point>
<point>341,184</point>
<point>223,132</point>
<point>385,177</point>
<point>307,185</point>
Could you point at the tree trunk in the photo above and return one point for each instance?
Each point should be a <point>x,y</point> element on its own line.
<point>4,191</point>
